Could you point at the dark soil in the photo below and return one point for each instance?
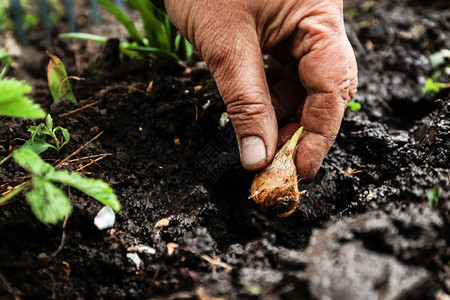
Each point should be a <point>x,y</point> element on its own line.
<point>366,229</point>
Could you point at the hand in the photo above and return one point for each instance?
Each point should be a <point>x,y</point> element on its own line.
<point>312,70</point>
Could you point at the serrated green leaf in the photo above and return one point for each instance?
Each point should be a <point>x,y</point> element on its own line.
<point>37,146</point>
<point>13,103</point>
<point>48,203</point>
<point>58,84</point>
<point>96,188</point>
<point>32,162</point>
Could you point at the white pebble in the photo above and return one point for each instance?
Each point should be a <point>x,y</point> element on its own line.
<point>135,258</point>
<point>224,119</point>
<point>207,104</point>
<point>105,218</point>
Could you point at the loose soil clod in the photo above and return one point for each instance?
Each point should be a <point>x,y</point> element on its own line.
<point>276,187</point>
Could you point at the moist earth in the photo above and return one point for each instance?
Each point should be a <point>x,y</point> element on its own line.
<point>364,230</point>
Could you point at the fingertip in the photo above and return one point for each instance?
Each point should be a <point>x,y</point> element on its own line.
<point>306,168</point>
<point>311,151</point>
<point>253,153</point>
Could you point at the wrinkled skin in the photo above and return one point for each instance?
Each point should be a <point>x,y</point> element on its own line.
<point>311,77</point>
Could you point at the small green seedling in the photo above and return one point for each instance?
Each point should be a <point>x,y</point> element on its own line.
<point>353,105</point>
<point>38,141</point>
<point>48,202</point>
<point>5,62</point>
<point>13,101</point>
<point>433,195</point>
<point>433,87</point>
<point>58,82</point>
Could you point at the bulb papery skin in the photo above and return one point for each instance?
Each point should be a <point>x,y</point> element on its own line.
<point>275,189</point>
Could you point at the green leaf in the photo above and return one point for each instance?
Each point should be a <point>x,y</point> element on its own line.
<point>49,122</point>
<point>13,103</point>
<point>434,87</point>
<point>32,162</point>
<point>58,83</point>
<point>436,75</point>
<point>185,49</point>
<point>48,203</point>
<point>98,39</point>
<point>96,188</point>
<point>433,195</point>
<point>154,30</point>
<point>5,62</point>
<point>37,146</point>
<point>122,18</point>
<point>37,132</point>
<point>65,133</point>
<point>353,105</point>
<point>84,36</point>
<point>167,55</point>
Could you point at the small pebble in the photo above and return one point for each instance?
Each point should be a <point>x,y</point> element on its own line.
<point>105,218</point>
<point>135,258</point>
<point>224,119</point>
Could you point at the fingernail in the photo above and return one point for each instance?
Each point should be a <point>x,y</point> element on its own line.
<point>253,150</point>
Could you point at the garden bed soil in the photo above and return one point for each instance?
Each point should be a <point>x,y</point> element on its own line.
<point>365,230</point>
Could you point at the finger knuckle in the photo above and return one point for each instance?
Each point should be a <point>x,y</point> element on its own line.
<point>353,89</point>
<point>243,111</point>
<point>325,108</point>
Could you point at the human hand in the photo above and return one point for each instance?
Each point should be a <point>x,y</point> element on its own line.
<point>312,70</point>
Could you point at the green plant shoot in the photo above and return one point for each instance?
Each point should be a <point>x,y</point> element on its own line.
<point>433,87</point>
<point>58,82</point>
<point>48,202</point>
<point>13,101</point>
<point>5,62</point>
<point>38,141</point>
<point>353,105</point>
<point>433,195</point>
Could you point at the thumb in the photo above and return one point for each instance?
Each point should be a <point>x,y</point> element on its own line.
<point>238,70</point>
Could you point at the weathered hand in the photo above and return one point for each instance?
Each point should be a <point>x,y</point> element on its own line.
<point>312,70</point>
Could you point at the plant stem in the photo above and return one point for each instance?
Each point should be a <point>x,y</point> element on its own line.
<point>53,135</point>
<point>5,159</point>
<point>294,139</point>
<point>4,70</point>
<point>4,200</point>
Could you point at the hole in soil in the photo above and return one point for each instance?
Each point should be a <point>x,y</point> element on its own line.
<point>375,242</point>
<point>237,212</point>
<point>405,113</point>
